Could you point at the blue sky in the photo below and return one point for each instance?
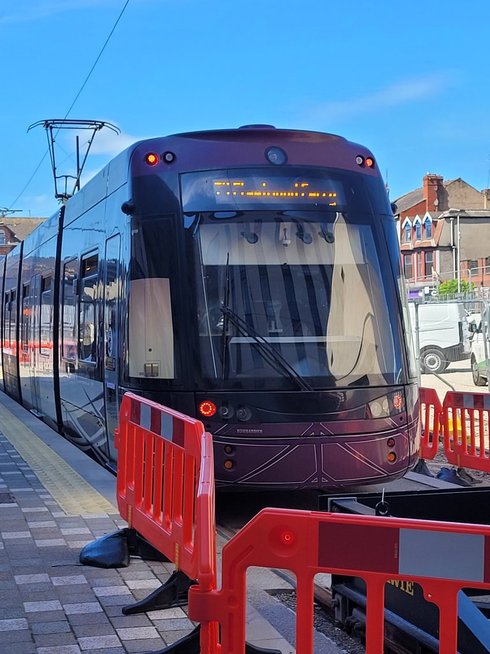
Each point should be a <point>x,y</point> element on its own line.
<point>409,80</point>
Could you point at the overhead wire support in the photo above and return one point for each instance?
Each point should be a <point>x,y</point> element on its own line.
<point>4,211</point>
<point>53,127</point>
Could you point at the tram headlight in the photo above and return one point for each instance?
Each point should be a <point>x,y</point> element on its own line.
<point>389,405</point>
<point>243,413</point>
<point>379,408</point>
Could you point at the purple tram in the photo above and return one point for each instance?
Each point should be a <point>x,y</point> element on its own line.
<point>249,277</point>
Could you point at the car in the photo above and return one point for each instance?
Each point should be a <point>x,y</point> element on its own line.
<point>478,325</point>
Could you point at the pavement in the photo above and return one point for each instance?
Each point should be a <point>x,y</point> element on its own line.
<point>456,377</point>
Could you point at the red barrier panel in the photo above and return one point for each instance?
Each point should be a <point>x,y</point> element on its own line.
<point>430,420</point>
<point>441,557</point>
<point>466,418</point>
<point>165,484</point>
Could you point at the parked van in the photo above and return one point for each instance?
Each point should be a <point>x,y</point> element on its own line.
<point>480,352</point>
<point>443,334</point>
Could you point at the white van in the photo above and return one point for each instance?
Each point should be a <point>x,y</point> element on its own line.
<point>480,352</point>
<point>443,334</point>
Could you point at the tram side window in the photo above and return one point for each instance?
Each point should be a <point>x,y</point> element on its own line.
<point>26,314</point>
<point>87,333</point>
<point>46,319</point>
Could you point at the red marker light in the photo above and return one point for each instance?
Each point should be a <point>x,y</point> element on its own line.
<point>207,408</point>
<point>287,538</point>
<point>369,161</point>
<point>397,401</point>
<point>151,158</point>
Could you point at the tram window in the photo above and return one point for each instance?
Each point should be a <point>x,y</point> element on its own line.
<point>69,335</point>
<point>87,333</point>
<point>151,332</point>
<point>26,314</point>
<point>46,318</point>
<point>12,317</point>
<point>151,351</point>
<point>7,319</point>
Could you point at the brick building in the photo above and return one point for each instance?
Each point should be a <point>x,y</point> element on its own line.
<point>15,230</point>
<point>444,232</point>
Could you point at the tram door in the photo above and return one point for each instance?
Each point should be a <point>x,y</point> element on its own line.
<point>112,285</point>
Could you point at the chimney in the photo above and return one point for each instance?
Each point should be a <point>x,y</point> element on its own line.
<point>431,191</point>
<point>486,198</point>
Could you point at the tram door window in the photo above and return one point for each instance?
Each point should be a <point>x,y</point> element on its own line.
<point>6,320</point>
<point>10,322</point>
<point>87,331</point>
<point>69,330</point>
<point>46,317</point>
<point>111,278</point>
<point>26,314</point>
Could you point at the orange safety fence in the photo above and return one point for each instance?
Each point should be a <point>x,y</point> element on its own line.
<point>165,484</point>
<point>455,556</point>
<point>466,433</point>
<point>430,420</point>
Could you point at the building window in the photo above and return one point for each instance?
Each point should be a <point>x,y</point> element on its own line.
<point>3,238</point>
<point>473,266</point>
<point>487,265</point>
<point>420,264</point>
<point>418,230</point>
<point>428,227</point>
<point>429,263</point>
<point>407,266</point>
<point>407,231</point>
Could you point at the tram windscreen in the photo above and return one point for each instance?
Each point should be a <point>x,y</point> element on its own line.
<point>293,297</point>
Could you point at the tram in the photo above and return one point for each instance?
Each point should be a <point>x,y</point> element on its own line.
<point>249,277</point>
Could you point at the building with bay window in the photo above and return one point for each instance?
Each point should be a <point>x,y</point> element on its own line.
<point>444,232</point>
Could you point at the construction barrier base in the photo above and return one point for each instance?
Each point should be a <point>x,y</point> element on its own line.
<point>172,593</point>
<point>422,468</point>
<point>114,550</point>
<point>452,476</point>
<point>190,644</point>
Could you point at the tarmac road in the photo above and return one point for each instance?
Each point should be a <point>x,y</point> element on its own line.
<point>456,377</point>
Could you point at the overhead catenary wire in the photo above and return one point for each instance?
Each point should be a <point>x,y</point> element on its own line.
<point>84,83</point>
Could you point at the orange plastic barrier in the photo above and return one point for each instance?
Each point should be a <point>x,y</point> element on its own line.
<point>454,556</point>
<point>165,484</point>
<point>466,421</point>
<point>430,420</point>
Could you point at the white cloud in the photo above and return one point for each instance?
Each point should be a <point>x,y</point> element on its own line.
<point>397,94</point>
<point>39,205</point>
<point>107,142</point>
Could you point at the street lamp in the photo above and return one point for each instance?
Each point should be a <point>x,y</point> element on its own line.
<point>457,247</point>
<point>458,238</point>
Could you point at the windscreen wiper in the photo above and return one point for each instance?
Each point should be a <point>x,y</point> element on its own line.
<point>269,354</point>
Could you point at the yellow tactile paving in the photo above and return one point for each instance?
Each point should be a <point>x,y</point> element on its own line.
<point>73,494</point>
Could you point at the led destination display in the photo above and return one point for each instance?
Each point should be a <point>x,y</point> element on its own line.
<point>212,190</point>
